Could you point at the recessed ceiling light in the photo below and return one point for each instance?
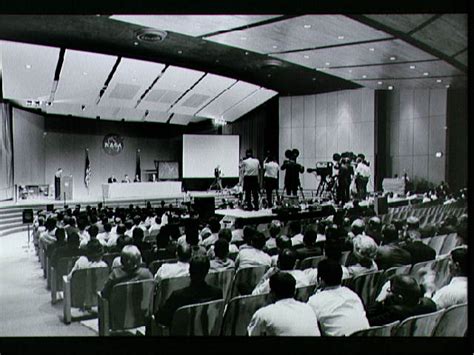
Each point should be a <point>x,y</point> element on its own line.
<point>217,60</point>
<point>269,75</point>
<point>340,37</point>
<point>390,87</point>
<point>246,53</point>
<point>393,58</point>
<point>364,76</point>
<point>438,80</point>
<point>135,43</point>
<point>372,49</point>
<point>28,66</point>
<point>84,73</point>
<point>379,82</point>
<point>243,38</point>
<point>328,64</point>
<point>306,56</point>
<point>350,70</point>
<point>426,73</point>
<point>180,52</point>
<point>412,67</point>
<point>274,47</point>
<point>134,79</point>
<point>307,26</point>
<point>448,86</point>
<point>314,79</point>
<point>439,154</point>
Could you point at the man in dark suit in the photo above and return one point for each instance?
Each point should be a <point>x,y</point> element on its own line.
<point>413,244</point>
<point>197,292</point>
<point>390,253</point>
<point>343,181</point>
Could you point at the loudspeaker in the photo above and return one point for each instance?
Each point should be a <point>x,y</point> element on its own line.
<point>28,216</point>
<point>50,208</point>
<point>204,206</point>
<point>381,205</point>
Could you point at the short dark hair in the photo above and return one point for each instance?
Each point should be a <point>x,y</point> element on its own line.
<point>283,285</point>
<point>221,248</point>
<point>287,259</point>
<point>192,234</point>
<point>184,252</point>
<point>309,237</point>
<point>389,233</point>
<point>128,224</point>
<point>121,229</point>
<point>93,230</point>
<point>60,235</point>
<point>136,220</point>
<point>214,225</point>
<point>73,239</point>
<point>225,233</point>
<point>295,227</point>
<point>330,271</point>
<point>283,241</point>
<point>258,240</point>
<point>248,233</point>
<point>199,267</point>
<point>107,227</point>
<point>408,287</point>
<point>459,256</point>
<point>138,235</point>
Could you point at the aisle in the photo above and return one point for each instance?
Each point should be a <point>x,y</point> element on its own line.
<point>25,304</point>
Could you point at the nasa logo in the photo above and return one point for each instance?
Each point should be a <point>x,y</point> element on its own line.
<point>112,144</point>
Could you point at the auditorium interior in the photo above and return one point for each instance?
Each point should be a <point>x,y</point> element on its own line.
<point>130,122</point>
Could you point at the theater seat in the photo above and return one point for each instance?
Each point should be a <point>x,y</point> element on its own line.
<point>129,307</point>
<point>367,286</point>
<point>418,326</point>
<point>81,290</point>
<point>246,279</point>
<point>377,331</point>
<point>221,280</point>
<point>304,293</point>
<point>453,322</point>
<point>63,267</point>
<point>156,264</point>
<point>165,288</point>
<point>109,258</point>
<point>450,242</point>
<point>311,262</point>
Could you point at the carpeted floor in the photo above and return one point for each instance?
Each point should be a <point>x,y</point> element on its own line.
<point>25,303</point>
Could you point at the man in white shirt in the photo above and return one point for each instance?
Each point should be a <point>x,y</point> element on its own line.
<point>181,268</point>
<point>105,235</point>
<point>254,255</point>
<point>456,291</point>
<point>362,175</point>
<point>285,317</point>
<point>215,227</point>
<point>339,310</point>
<point>270,178</point>
<point>251,168</point>
<point>294,232</point>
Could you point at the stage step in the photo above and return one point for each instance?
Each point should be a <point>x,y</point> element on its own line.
<point>6,226</point>
<point>10,219</point>
<point>16,229</point>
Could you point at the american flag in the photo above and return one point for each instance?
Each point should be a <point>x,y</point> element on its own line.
<point>87,170</point>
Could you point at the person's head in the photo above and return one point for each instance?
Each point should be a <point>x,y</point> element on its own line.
<point>248,153</point>
<point>107,227</point>
<point>94,250</point>
<point>123,240</point>
<point>283,242</point>
<point>274,228</point>
<point>158,220</point>
<point>130,258</point>
<point>413,223</point>
<point>365,249</point>
<point>458,265</point>
<point>163,238</point>
<point>375,224</point>
<point>93,231</point>
<point>82,224</point>
<point>136,220</point>
<point>73,239</point>
<point>287,259</point>
<point>60,235</point>
<point>358,226</point>
<point>221,248</point>
<point>329,273</point>
<point>336,157</point>
<point>389,234</point>
<point>214,224</point>
<point>309,237</point>
<point>50,224</point>
<point>192,233</point>
<point>247,234</point>
<point>183,252</point>
<point>198,268</point>
<point>121,229</point>
<point>428,231</point>
<point>282,285</point>
<point>404,290</point>
<point>137,235</point>
<point>128,224</point>
<point>258,240</point>
<point>226,234</point>
<point>294,228</point>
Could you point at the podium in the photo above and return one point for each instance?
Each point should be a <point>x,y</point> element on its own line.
<point>67,184</point>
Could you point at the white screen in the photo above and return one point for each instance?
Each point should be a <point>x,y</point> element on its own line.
<point>202,153</point>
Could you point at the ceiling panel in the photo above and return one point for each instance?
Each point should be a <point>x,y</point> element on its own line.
<point>170,86</point>
<point>157,116</point>
<point>74,109</point>
<point>133,77</point>
<point>229,98</point>
<point>291,34</point>
<point>428,83</point>
<point>357,54</point>
<point>130,114</point>
<point>433,68</point>
<point>249,103</point>
<point>403,23</point>
<point>83,75</point>
<point>27,70</point>
<point>206,90</point>
<point>462,57</point>
<point>181,119</point>
<point>201,24</point>
<point>448,33</point>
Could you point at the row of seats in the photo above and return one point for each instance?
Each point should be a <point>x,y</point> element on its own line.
<point>431,215</point>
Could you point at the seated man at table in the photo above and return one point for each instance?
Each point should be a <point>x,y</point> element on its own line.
<point>197,292</point>
<point>285,317</point>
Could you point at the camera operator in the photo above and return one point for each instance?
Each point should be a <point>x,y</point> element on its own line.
<point>343,181</point>
<point>362,175</point>
<point>293,169</point>
<point>270,178</point>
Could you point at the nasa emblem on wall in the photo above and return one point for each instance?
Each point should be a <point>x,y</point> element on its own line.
<point>112,144</point>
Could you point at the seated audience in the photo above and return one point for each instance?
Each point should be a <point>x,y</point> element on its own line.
<point>282,242</point>
<point>221,260</point>
<point>412,243</point>
<point>93,258</point>
<point>225,234</point>
<point>389,254</point>
<point>105,236</point>
<point>339,310</point>
<point>274,229</point>
<point>247,235</point>
<point>130,270</point>
<point>253,256</point>
<point>71,248</point>
<point>404,299</point>
<point>92,231</point>
<point>374,229</point>
<point>83,233</point>
<point>285,317</point>
<point>138,240</point>
<point>364,252</point>
<point>294,233</point>
<point>197,292</point>
<point>192,240</point>
<point>215,227</point>
<point>178,269</point>
<point>60,235</point>
<point>309,247</point>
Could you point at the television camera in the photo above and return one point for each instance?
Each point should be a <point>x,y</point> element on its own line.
<point>327,182</point>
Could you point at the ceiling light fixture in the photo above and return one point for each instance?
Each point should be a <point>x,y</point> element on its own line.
<point>379,82</point>
<point>372,49</point>
<point>307,26</point>
<point>412,67</point>
<point>448,86</point>
<point>438,80</point>
<point>180,52</point>
<point>28,66</point>
<point>426,73</point>
<point>439,154</point>
<point>274,47</point>
<point>246,53</point>
<point>150,35</point>
<point>364,76</point>
<point>219,121</point>
<point>393,58</point>
<point>314,79</point>
<point>390,87</point>
<point>350,70</point>
<point>328,64</point>
<point>306,56</point>
<point>135,43</point>
<point>340,37</point>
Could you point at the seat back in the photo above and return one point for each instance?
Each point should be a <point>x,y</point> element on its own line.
<point>156,264</point>
<point>166,287</point>
<point>344,257</point>
<point>130,304</point>
<point>377,331</point>
<point>202,319</point>
<point>397,270</point>
<point>418,326</point>
<point>246,279</point>
<point>311,262</point>
<point>367,286</point>
<point>437,243</point>
<point>85,283</point>
<point>239,312</point>
<point>109,258</point>
<point>453,323</point>
<point>304,293</point>
<point>415,269</point>
<point>450,242</point>
<point>64,267</point>
<point>221,280</point>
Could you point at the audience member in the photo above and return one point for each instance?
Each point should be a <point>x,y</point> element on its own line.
<point>374,229</point>
<point>221,260</point>
<point>180,268</point>
<point>364,252</point>
<point>412,243</point>
<point>225,234</point>
<point>282,242</point>
<point>254,256</point>
<point>309,247</point>
<point>93,258</point>
<point>294,233</point>
<point>215,227</point>
<point>71,248</point>
<point>389,254</point>
<point>105,236</point>
<point>274,229</point>
<point>248,233</point>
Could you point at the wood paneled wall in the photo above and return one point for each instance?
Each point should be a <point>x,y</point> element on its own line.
<point>416,131</point>
<point>321,125</point>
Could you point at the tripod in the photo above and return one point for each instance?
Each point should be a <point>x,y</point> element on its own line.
<point>216,184</point>
<point>324,188</point>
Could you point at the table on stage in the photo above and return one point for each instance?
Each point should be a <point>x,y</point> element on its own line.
<point>142,189</point>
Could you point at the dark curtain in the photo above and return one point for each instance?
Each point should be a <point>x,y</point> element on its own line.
<point>6,153</point>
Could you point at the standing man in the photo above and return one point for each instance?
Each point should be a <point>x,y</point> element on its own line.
<point>250,166</point>
<point>270,178</point>
<point>57,183</point>
<point>362,176</point>
<point>343,181</point>
<point>293,169</point>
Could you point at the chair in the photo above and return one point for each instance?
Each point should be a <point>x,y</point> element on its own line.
<point>246,279</point>
<point>426,241</point>
<point>450,242</point>
<point>418,326</point>
<point>222,280</point>
<point>166,287</point>
<point>239,312</point>
<point>453,322</point>
<point>344,257</point>
<point>109,258</point>
<point>304,293</point>
<point>202,319</point>
<point>397,270</point>
<point>437,243</point>
<point>156,264</point>
<point>81,290</point>
<point>376,331</point>
<point>415,269</point>
<point>311,262</point>
<point>129,307</point>
<point>63,267</point>
<point>367,286</point>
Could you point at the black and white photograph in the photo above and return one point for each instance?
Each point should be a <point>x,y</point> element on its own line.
<point>276,175</point>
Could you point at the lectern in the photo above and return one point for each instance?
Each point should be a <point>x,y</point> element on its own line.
<point>67,184</point>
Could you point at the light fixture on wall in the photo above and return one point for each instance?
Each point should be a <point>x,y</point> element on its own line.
<point>219,122</point>
<point>438,154</point>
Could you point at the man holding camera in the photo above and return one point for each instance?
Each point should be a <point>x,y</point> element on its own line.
<point>293,171</point>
